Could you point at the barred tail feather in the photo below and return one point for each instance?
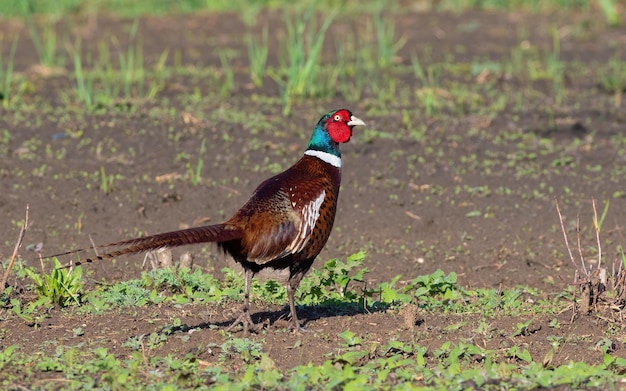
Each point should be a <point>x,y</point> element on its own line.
<point>195,235</point>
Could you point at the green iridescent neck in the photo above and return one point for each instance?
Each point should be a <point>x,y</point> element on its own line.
<point>321,141</point>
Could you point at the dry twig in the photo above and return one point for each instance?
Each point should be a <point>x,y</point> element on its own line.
<point>569,249</point>
<point>18,244</point>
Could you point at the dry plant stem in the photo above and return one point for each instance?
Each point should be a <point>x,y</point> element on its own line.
<point>584,286</point>
<point>618,276</point>
<point>574,307</point>
<point>43,269</point>
<point>93,246</point>
<point>580,248</point>
<point>18,244</point>
<point>569,249</point>
<point>597,228</point>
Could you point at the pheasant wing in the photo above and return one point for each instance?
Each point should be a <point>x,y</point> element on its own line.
<point>280,223</point>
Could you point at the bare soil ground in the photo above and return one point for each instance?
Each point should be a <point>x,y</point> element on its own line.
<point>499,228</point>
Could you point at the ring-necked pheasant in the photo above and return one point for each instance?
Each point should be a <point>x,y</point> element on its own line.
<point>282,227</point>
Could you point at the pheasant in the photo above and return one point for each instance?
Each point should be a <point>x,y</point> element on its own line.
<point>284,225</point>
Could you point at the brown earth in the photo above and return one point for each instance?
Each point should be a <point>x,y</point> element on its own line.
<point>408,202</point>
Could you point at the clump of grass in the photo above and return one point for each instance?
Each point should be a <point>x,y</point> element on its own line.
<point>131,63</point>
<point>228,76</point>
<point>84,81</point>
<point>613,80</point>
<point>257,57</point>
<point>429,95</point>
<point>45,43</point>
<point>99,83</point>
<point>556,67</point>
<point>6,76</point>
<point>194,173</point>
<point>610,11</point>
<point>388,46</point>
<point>301,59</point>
<point>106,181</point>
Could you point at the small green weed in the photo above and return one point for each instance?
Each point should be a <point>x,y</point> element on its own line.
<point>610,10</point>
<point>350,338</point>
<point>6,77</point>
<point>227,74</point>
<point>333,280</point>
<point>98,83</point>
<point>106,181</point>
<point>84,81</point>
<point>62,286</point>
<point>302,59</point>
<point>195,173</point>
<point>613,78</point>
<point>245,349</point>
<point>151,341</point>
<point>257,57</point>
<point>185,284</point>
<point>522,328</point>
<point>388,46</point>
<point>34,312</point>
<point>6,355</point>
<point>434,284</point>
<point>125,293</point>
<point>45,43</point>
<point>429,95</point>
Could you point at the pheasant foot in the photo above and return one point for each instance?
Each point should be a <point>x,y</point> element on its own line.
<point>246,322</point>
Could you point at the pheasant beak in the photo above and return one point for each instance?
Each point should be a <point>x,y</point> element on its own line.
<point>354,121</point>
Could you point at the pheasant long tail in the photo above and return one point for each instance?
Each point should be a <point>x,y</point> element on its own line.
<point>205,234</point>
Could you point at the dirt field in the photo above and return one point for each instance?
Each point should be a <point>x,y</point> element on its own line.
<point>474,194</point>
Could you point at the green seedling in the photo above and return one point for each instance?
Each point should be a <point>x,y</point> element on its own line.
<point>350,338</point>
<point>106,181</point>
<point>610,11</point>
<point>245,349</point>
<point>84,80</point>
<point>195,173</point>
<point>6,76</point>
<point>429,92</point>
<point>300,76</point>
<point>6,355</point>
<point>228,76</point>
<point>131,65</point>
<point>521,328</point>
<point>257,57</point>
<point>98,83</point>
<point>556,67</point>
<point>45,43</point>
<point>613,79</point>
<point>334,280</point>
<point>388,46</point>
<point>62,286</point>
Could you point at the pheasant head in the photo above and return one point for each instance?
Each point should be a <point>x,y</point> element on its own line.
<point>333,128</point>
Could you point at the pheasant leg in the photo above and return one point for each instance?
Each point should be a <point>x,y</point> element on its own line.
<point>244,318</point>
<point>291,291</point>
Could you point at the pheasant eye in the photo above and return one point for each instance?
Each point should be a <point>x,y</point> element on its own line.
<point>337,117</point>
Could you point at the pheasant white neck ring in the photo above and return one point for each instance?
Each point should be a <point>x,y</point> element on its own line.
<point>329,158</point>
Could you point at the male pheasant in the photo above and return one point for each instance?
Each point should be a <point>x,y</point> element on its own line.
<point>284,225</point>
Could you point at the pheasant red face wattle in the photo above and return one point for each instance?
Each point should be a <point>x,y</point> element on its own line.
<point>340,126</point>
<point>339,132</point>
